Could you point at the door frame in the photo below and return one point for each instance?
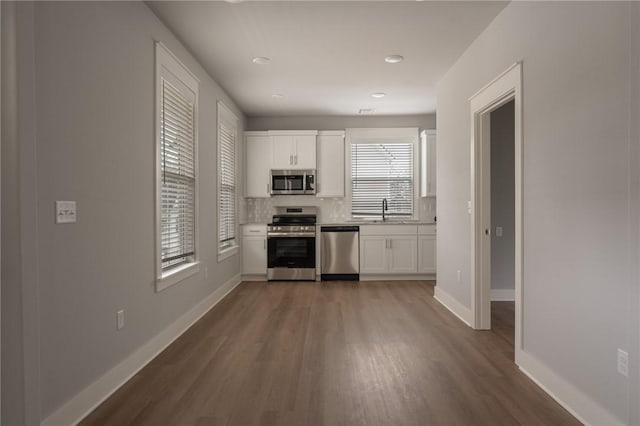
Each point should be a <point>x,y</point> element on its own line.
<point>504,88</point>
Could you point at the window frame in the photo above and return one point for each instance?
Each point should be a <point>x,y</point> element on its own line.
<point>226,116</point>
<point>383,135</point>
<point>171,69</point>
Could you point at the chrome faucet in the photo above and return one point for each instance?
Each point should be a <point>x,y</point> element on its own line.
<point>385,207</point>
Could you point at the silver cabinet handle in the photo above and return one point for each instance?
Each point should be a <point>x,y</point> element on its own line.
<point>264,243</point>
<point>291,160</point>
<point>295,158</point>
<point>268,189</point>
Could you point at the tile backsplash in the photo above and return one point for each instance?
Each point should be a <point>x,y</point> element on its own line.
<point>330,210</point>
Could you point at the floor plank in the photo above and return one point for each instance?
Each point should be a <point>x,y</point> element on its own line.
<point>334,353</point>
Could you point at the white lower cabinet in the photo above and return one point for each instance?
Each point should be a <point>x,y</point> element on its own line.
<point>373,254</point>
<point>388,249</point>
<point>254,249</point>
<point>427,249</point>
<point>403,254</point>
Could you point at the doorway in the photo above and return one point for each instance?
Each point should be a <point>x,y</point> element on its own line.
<point>502,231</point>
<point>497,257</point>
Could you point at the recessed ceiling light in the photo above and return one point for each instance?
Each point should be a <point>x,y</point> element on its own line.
<point>277,96</point>
<point>261,60</point>
<point>393,59</point>
<point>366,111</point>
<point>379,95</point>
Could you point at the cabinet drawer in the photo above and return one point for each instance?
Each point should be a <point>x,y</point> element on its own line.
<point>254,229</point>
<point>388,230</point>
<point>426,229</point>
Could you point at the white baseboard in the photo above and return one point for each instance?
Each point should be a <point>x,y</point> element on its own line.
<point>254,277</point>
<point>452,304</point>
<point>580,405</point>
<point>503,294</point>
<point>93,395</point>
<point>397,277</point>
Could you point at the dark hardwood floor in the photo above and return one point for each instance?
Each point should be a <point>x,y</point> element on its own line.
<point>333,353</point>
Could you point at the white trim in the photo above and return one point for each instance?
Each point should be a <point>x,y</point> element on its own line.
<point>228,118</point>
<point>254,277</point>
<point>503,294</point>
<point>177,274</point>
<point>452,304</point>
<point>504,88</point>
<point>291,132</point>
<point>228,252</point>
<point>397,277</point>
<point>580,405</point>
<point>170,67</point>
<point>93,395</point>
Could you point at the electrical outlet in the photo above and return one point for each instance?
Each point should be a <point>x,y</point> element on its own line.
<point>120,319</point>
<point>459,275</point>
<point>66,212</point>
<point>498,231</point>
<point>623,362</point>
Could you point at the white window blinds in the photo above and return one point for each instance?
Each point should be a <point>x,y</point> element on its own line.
<point>227,137</point>
<point>378,171</point>
<point>178,177</point>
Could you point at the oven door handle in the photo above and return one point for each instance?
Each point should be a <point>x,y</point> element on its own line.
<point>290,235</point>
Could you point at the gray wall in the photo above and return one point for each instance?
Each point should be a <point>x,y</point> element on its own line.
<point>20,298</point>
<point>94,103</point>
<point>580,292</point>
<point>340,122</point>
<point>503,197</point>
<point>634,209</point>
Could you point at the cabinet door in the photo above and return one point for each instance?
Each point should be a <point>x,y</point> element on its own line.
<point>403,254</point>
<point>431,154</point>
<point>282,151</point>
<point>428,163</point>
<point>330,165</point>
<point>427,254</point>
<point>373,254</point>
<point>258,164</point>
<point>254,255</point>
<point>304,152</point>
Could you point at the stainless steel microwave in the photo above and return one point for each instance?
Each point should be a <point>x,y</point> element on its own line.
<point>293,182</point>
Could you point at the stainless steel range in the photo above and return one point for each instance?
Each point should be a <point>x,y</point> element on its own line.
<point>291,241</point>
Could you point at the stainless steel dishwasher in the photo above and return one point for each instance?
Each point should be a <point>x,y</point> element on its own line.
<point>340,252</point>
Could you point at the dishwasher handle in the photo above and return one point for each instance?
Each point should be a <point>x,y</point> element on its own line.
<point>340,228</point>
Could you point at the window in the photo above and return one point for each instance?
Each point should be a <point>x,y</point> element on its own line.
<point>177,187</point>
<point>227,136</point>
<point>382,167</point>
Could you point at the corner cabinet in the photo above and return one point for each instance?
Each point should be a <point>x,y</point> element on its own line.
<point>293,149</point>
<point>259,149</point>
<point>428,163</point>
<point>330,166</point>
<point>254,249</point>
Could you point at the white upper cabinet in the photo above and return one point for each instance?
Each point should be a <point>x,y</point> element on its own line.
<point>294,149</point>
<point>330,164</point>
<point>259,150</point>
<point>428,163</point>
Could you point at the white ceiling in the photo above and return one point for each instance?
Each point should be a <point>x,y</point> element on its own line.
<point>328,56</point>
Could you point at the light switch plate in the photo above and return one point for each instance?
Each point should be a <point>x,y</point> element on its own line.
<point>65,212</point>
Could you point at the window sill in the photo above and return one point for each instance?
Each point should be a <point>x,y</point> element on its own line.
<point>227,253</point>
<point>176,275</point>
